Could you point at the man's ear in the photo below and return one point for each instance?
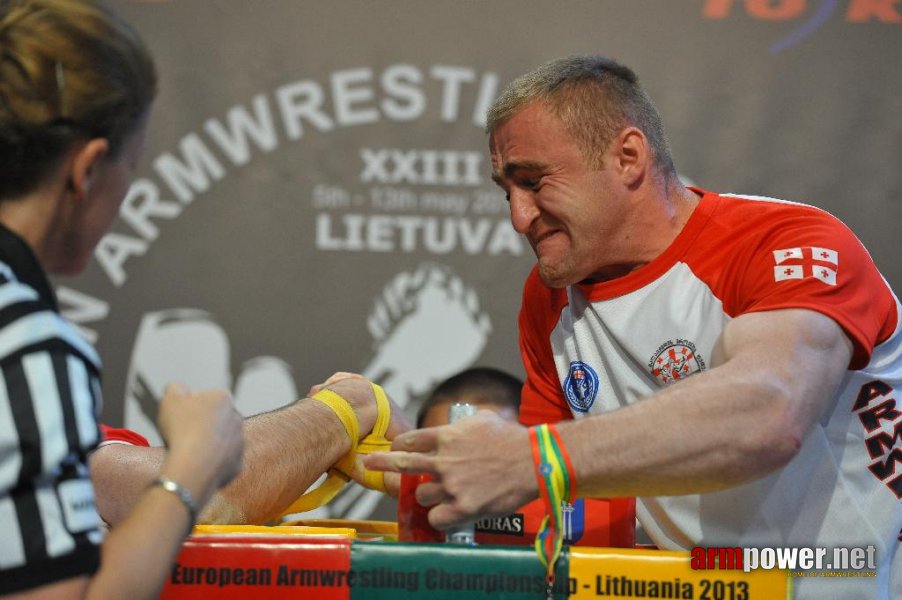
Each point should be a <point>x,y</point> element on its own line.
<point>632,155</point>
<point>85,164</point>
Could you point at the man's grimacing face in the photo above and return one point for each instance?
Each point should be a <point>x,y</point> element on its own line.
<point>564,206</point>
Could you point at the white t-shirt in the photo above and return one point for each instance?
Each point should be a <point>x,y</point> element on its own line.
<point>590,349</point>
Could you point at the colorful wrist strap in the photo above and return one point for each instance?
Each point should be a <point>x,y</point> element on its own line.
<point>557,484</point>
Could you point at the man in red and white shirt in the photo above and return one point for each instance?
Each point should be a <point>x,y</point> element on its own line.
<point>731,361</point>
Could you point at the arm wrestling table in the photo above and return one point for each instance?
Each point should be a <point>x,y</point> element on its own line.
<point>365,562</point>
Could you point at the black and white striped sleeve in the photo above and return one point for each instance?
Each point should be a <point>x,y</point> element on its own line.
<point>49,401</point>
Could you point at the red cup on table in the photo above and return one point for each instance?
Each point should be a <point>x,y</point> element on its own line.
<point>413,517</point>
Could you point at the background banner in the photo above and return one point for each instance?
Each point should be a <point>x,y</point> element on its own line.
<point>316,193</point>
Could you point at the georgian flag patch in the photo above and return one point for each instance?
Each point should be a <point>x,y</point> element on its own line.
<point>806,261</point>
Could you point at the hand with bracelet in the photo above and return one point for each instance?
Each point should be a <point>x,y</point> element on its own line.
<point>203,434</point>
<point>204,452</point>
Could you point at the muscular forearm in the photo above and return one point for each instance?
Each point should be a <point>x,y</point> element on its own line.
<point>740,420</point>
<point>690,439</point>
<point>735,423</point>
<point>287,451</point>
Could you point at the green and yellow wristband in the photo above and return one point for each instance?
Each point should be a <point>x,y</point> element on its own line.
<point>557,484</point>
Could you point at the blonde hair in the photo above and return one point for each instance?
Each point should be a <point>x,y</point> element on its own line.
<point>69,70</point>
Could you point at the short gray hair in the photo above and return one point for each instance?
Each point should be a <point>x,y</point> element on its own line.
<point>595,97</point>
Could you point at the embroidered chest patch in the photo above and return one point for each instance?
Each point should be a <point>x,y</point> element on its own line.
<point>581,386</point>
<point>675,360</point>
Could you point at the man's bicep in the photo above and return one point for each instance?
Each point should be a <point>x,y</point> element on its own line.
<point>805,353</point>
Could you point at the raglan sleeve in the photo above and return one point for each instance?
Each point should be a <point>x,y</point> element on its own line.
<point>813,261</point>
<point>542,400</point>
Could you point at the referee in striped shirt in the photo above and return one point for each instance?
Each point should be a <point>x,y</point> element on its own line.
<point>76,85</point>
